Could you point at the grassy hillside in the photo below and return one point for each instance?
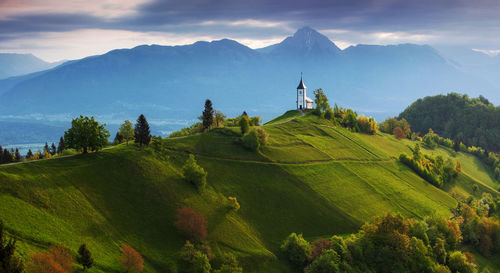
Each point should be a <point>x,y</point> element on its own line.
<point>312,178</point>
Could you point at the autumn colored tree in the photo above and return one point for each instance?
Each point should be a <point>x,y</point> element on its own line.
<point>131,260</point>
<point>191,224</point>
<point>318,246</point>
<point>58,259</point>
<point>399,133</point>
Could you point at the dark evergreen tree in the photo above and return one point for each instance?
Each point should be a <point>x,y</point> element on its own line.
<point>118,138</point>
<point>53,149</point>
<point>9,263</point>
<point>85,257</point>
<point>7,157</point>
<point>60,147</point>
<point>46,148</point>
<point>1,155</point>
<point>244,114</point>
<point>208,115</point>
<point>29,154</point>
<point>18,155</point>
<point>141,131</point>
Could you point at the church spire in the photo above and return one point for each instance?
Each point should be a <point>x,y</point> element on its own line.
<point>301,84</point>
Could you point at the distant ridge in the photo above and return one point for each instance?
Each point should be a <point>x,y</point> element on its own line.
<point>12,64</point>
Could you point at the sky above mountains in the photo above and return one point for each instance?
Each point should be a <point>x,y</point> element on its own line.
<point>71,29</point>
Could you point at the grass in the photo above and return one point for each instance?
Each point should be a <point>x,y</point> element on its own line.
<point>312,178</point>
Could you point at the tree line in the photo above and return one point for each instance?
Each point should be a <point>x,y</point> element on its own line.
<point>13,155</point>
<point>472,121</point>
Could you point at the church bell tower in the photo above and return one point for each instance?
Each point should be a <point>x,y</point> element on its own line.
<point>301,95</point>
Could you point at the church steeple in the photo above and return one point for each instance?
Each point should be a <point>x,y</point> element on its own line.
<point>301,84</point>
<point>301,94</point>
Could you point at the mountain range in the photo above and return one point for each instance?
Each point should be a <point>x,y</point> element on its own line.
<point>19,64</point>
<point>170,83</point>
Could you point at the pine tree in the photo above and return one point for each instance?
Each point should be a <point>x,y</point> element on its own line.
<point>53,149</point>
<point>208,115</point>
<point>118,138</point>
<point>29,154</point>
<point>141,131</point>
<point>1,155</point>
<point>7,157</point>
<point>18,155</point>
<point>85,257</point>
<point>46,148</point>
<point>60,147</point>
<point>9,263</point>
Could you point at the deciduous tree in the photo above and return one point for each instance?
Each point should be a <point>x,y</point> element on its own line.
<point>191,224</point>
<point>9,262</point>
<point>131,260</point>
<point>127,130</point>
<point>86,134</point>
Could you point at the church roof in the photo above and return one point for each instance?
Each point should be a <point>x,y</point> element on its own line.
<point>309,100</point>
<point>301,84</point>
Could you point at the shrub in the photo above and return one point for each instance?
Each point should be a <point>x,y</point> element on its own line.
<point>251,141</point>
<point>191,224</point>
<point>263,136</point>
<point>244,124</point>
<point>193,260</point>
<point>9,262</point>
<point>399,133</point>
<point>57,259</point>
<point>327,262</point>
<point>194,174</point>
<point>329,115</point>
<point>131,260</point>
<point>296,249</point>
<point>458,263</point>
<point>229,265</point>
<point>85,257</point>
<point>233,203</point>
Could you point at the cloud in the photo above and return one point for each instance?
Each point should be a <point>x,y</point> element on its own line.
<point>64,27</point>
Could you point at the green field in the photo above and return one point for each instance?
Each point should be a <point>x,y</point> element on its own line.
<point>312,178</point>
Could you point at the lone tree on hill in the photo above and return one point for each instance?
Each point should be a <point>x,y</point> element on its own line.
<point>8,261</point>
<point>131,260</point>
<point>142,132</point>
<point>85,257</point>
<point>208,115</point>
<point>127,130</point>
<point>60,147</point>
<point>86,134</point>
<point>321,101</point>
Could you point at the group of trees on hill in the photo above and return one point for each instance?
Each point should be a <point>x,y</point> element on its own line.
<point>472,121</point>
<point>434,169</point>
<point>341,116</point>
<point>60,259</point>
<point>13,155</point>
<point>387,244</point>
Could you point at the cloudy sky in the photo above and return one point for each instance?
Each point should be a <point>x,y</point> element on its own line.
<point>71,29</point>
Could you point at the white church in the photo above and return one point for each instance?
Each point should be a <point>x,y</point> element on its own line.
<point>303,102</point>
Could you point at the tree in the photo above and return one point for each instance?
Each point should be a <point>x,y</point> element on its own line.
<point>399,133</point>
<point>194,261</point>
<point>58,259</point>
<point>194,173</point>
<point>458,263</point>
<point>318,246</point>
<point>127,130</point>
<point>142,133</point>
<point>208,115</point>
<point>220,118</point>
<point>46,148</point>
<point>53,149</point>
<point>255,121</point>
<point>251,140</point>
<point>18,155</point>
<point>263,136</point>
<point>229,265</point>
<point>86,134</point>
<point>131,260</point>
<point>244,124</point>
<point>29,155</point>
<point>296,249</point>
<point>9,262</point>
<point>85,257</point>
<point>60,147</point>
<point>118,138</point>
<point>328,262</point>
<point>321,101</point>
<point>191,224</point>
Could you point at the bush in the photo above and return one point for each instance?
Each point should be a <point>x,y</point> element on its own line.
<point>233,203</point>
<point>328,262</point>
<point>458,263</point>
<point>58,259</point>
<point>263,136</point>
<point>296,249</point>
<point>194,174</point>
<point>251,141</point>
<point>193,260</point>
<point>191,224</point>
<point>399,133</point>
<point>131,260</point>
<point>329,115</point>
<point>244,124</point>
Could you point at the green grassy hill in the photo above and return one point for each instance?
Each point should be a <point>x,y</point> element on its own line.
<point>312,178</point>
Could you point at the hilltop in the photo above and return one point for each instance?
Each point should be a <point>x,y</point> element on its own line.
<point>312,177</point>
